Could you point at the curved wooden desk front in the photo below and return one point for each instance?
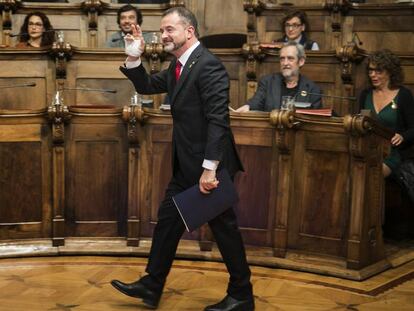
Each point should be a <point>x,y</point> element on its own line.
<point>83,180</point>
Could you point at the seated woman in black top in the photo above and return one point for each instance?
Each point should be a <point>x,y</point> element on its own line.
<point>391,102</point>
<point>295,24</point>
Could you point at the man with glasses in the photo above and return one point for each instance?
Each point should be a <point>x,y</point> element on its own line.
<point>295,24</point>
<point>289,82</point>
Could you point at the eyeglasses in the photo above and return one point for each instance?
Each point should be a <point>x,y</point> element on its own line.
<point>377,71</point>
<point>293,26</point>
<point>35,25</point>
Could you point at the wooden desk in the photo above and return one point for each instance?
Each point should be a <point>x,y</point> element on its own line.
<point>312,186</point>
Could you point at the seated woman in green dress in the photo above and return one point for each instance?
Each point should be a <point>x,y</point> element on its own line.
<point>391,103</point>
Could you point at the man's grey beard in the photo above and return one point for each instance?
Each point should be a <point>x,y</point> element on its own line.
<point>175,46</point>
<point>294,73</point>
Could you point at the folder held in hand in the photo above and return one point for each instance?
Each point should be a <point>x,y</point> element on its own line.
<point>197,208</point>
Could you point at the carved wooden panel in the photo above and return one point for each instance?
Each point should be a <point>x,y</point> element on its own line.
<point>96,179</point>
<point>17,70</point>
<point>319,217</point>
<point>25,185</point>
<point>256,208</point>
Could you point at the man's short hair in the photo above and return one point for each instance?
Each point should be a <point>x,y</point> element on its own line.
<point>186,15</point>
<point>299,48</point>
<point>126,8</point>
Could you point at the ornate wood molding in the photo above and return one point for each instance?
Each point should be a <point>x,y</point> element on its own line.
<point>338,8</point>
<point>176,3</point>
<point>93,8</point>
<point>61,52</point>
<point>133,115</point>
<point>283,120</point>
<point>253,8</point>
<point>348,55</point>
<point>154,53</point>
<point>7,8</point>
<point>252,53</point>
<point>58,115</point>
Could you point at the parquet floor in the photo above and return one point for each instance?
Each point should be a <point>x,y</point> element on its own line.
<point>82,283</point>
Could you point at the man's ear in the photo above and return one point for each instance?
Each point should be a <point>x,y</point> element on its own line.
<point>301,62</point>
<point>191,31</point>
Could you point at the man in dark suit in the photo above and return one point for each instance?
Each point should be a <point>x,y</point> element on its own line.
<point>197,87</point>
<point>289,82</point>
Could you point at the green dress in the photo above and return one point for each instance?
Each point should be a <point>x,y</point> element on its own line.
<point>388,117</point>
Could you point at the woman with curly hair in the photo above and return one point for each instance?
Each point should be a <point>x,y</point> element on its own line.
<point>36,31</point>
<point>391,103</point>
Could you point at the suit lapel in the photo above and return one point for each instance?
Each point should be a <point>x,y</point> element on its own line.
<point>192,60</point>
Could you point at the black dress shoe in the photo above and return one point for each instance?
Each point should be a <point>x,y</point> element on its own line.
<point>231,304</point>
<point>138,290</point>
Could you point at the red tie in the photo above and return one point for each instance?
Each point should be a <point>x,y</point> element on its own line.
<point>177,70</point>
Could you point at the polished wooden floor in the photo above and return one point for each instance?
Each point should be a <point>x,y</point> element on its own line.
<point>82,283</point>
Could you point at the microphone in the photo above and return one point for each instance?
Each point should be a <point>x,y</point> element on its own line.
<point>90,89</point>
<point>30,84</point>
<point>27,34</point>
<point>305,93</point>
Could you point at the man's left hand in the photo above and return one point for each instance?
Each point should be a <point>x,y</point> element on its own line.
<point>208,181</point>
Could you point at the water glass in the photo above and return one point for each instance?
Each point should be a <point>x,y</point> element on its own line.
<point>287,103</point>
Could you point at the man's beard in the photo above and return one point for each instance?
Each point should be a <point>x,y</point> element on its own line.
<point>172,46</point>
<point>290,74</point>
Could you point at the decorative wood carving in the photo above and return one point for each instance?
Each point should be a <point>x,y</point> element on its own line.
<point>282,121</point>
<point>338,8</point>
<point>61,52</point>
<point>7,8</point>
<point>253,8</point>
<point>176,3</point>
<point>348,55</point>
<point>58,115</point>
<point>252,53</point>
<point>93,8</point>
<point>154,52</point>
<point>135,117</point>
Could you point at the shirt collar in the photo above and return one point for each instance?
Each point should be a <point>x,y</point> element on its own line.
<point>186,55</point>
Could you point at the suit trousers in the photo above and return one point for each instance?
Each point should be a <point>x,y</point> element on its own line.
<point>169,230</point>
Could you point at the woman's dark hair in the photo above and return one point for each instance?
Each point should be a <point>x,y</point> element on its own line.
<point>126,8</point>
<point>48,36</point>
<point>296,13</point>
<point>389,62</point>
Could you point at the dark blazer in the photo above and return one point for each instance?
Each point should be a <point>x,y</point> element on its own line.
<point>199,107</point>
<point>268,94</point>
<point>405,115</point>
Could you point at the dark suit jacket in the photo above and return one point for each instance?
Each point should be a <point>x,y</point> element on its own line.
<point>268,94</point>
<point>199,107</point>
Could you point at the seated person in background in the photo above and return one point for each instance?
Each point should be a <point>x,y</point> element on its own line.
<point>36,31</point>
<point>126,16</point>
<point>391,103</point>
<point>287,83</point>
<point>295,24</point>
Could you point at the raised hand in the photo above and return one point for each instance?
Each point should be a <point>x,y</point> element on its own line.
<point>134,43</point>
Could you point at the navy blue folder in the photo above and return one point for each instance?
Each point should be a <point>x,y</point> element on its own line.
<point>197,208</point>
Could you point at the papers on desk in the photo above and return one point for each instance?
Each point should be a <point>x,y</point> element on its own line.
<point>302,105</point>
<point>196,208</point>
<point>316,112</point>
